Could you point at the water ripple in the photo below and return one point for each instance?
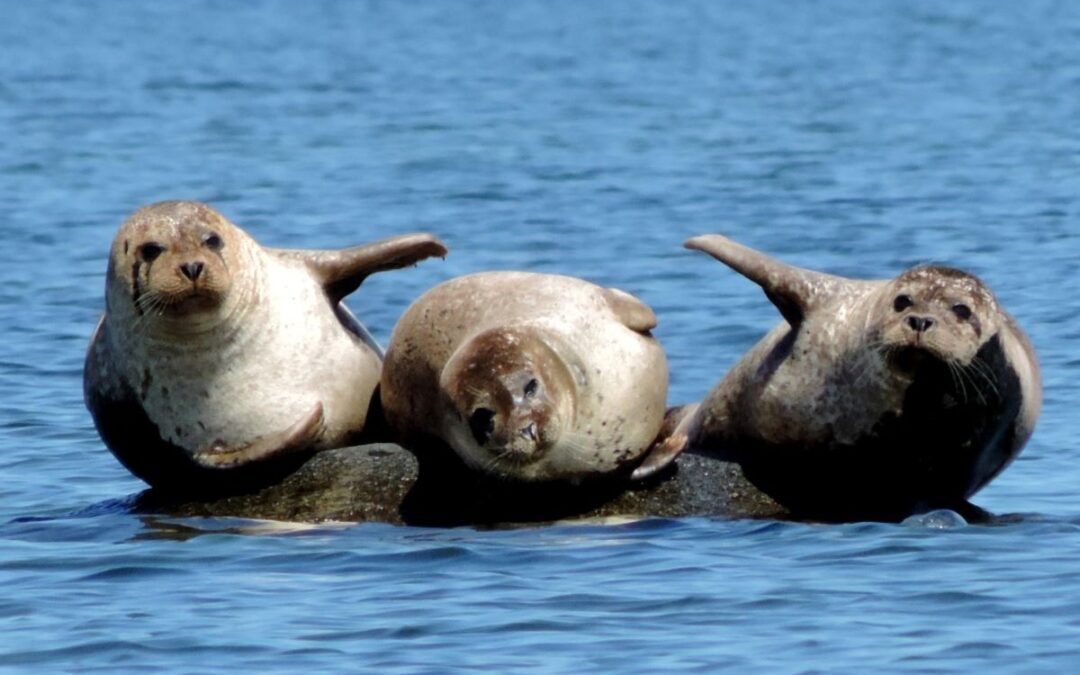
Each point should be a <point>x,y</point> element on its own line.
<point>564,137</point>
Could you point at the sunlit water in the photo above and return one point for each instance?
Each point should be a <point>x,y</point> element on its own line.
<point>582,138</point>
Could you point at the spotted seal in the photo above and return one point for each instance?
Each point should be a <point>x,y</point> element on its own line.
<point>216,357</point>
<point>532,377</point>
<point>873,399</point>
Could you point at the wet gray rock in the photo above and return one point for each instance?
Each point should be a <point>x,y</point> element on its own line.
<point>386,483</point>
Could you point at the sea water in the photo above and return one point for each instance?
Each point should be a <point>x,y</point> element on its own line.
<point>588,139</point>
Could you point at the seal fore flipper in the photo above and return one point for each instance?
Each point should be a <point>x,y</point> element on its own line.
<point>342,271</point>
<point>299,436</point>
<point>669,444</point>
<point>631,312</point>
<point>794,291</point>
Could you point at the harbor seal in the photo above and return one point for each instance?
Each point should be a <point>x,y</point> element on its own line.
<point>217,358</point>
<point>874,399</point>
<point>531,377</point>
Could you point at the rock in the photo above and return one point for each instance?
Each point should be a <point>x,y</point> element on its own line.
<point>386,483</point>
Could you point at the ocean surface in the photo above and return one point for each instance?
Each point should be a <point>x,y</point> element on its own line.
<point>589,139</point>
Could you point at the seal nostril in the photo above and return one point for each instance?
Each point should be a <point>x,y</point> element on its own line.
<point>482,424</point>
<point>529,432</point>
<point>920,324</point>
<point>191,270</point>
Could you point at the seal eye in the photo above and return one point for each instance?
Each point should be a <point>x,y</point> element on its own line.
<point>212,241</point>
<point>150,251</point>
<point>482,424</point>
<point>962,312</point>
<point>530,388</point>
<point>902,302</point>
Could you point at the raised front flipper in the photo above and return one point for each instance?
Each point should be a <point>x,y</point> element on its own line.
<point>300,436</point>
<point>794,291</point>
<point>631,312</point>
<point>341,272</point>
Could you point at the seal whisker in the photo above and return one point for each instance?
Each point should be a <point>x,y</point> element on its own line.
<point>574,442</point>
<point>494,462</point>
<point>868,363</point>
<point>978,368</point>
<point>958,380</point>
<point>876,352</point>
<point>987,372</point>
<point>964,372</point>
<point>151,309</point>
<point>475,392</point>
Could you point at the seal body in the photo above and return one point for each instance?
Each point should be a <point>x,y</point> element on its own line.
<point>216,357</point>
<point>534,377</point>
<point>874,399</point>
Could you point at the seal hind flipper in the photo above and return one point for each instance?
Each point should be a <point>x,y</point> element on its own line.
<point>299,436</point>
<point>341,272</point>
<point>660,456</point>
<point>794,291</point>
<point>633,313</point>
<point>670,443</point>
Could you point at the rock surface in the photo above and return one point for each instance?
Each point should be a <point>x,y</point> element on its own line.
<point>386,483</point>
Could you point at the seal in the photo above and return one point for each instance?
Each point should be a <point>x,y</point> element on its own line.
<point>873,399</point>
<point>531,377</point>
<point>217,358</point>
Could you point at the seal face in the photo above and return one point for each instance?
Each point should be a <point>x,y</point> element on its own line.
<point>533,377</point>
<point>216,357</point>
<point>515,393</point>
<point>874,399</point>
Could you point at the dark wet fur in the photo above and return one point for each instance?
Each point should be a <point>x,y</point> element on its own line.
<point>923,459</point>
<point>447,492</point>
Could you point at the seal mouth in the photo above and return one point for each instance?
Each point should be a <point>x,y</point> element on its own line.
<point>193,300</point>
<point>514,456</point>
<point>910,358</point>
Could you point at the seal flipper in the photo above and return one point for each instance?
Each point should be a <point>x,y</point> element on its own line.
<point>794,291</point>
<point>670,442</point>
<point>633,313</point>
<point>299,436</point>
<point>342,271</point>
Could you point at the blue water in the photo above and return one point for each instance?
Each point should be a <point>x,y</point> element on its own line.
<point>582,138</point>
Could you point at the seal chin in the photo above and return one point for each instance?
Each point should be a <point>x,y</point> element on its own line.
<point>515,454</point>
<point>908,359</point>
<point>195,301</point>
<point>916,352</point>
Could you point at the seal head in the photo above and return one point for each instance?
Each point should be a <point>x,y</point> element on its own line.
<point>938,311</point>
<point>516,396</point>
<point>173,265</point>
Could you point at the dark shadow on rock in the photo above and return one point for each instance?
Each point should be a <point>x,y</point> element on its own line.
<point>387,483</point>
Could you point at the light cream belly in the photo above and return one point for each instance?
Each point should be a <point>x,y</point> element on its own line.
<point>621,406</point>
<point>199,402</point>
